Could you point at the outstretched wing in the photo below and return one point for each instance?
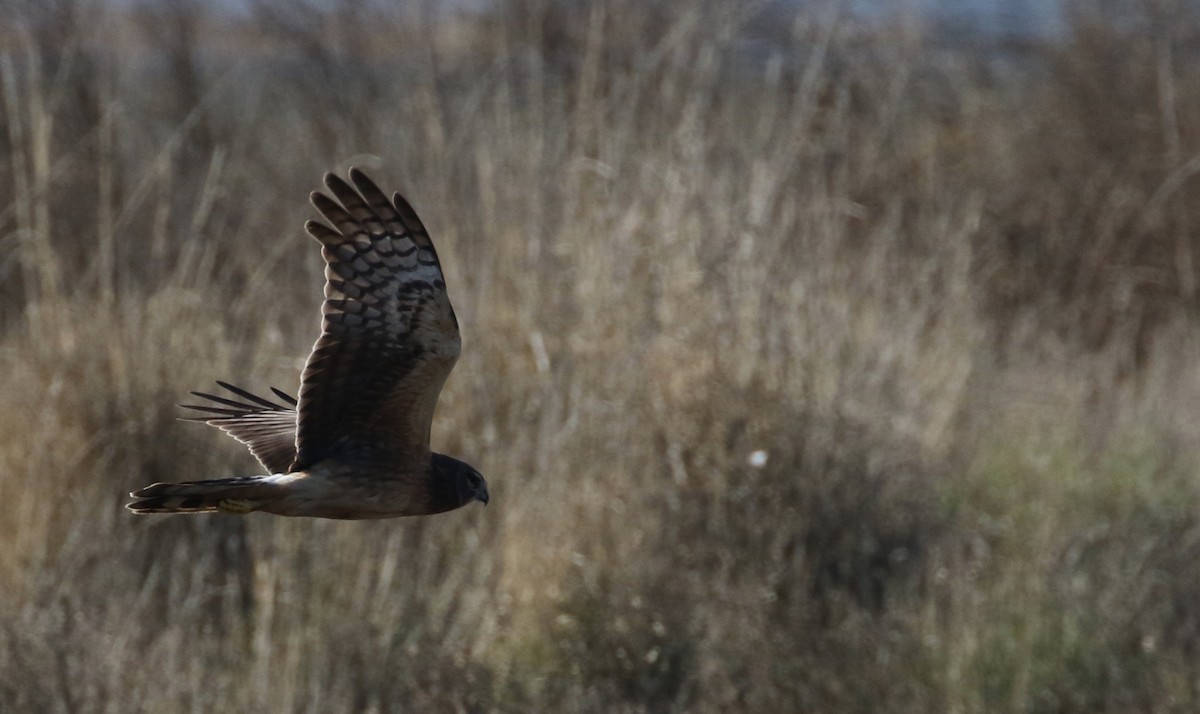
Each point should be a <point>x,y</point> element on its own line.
<point>389,337</point>
<point>266,428</point>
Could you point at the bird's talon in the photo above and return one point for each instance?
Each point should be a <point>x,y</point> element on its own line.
<point>235,505</point>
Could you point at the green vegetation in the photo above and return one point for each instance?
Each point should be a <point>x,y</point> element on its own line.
<point>814,366</point>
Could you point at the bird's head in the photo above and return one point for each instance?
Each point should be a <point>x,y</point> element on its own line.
<point>472,487</point>
<point>467,483</point>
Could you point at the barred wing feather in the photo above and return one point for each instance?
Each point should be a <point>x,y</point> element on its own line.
<point>389,336</point>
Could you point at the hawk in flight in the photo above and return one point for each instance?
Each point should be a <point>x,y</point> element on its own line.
<point>356,443</point>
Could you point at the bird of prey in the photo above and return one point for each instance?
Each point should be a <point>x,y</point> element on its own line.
<point>356,443</point>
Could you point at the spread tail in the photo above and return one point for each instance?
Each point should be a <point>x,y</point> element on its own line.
<point>228,495</point>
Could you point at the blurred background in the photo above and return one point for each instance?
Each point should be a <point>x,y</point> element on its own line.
<point>821,356</point>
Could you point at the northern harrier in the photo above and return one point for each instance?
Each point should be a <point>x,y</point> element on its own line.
<point>356,444</point>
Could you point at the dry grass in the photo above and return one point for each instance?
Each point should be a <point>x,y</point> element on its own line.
<point>952,300</point>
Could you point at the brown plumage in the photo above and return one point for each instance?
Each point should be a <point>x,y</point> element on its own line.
<point>356,443</point>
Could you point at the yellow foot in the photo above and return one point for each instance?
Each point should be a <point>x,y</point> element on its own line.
<point>236,505</point>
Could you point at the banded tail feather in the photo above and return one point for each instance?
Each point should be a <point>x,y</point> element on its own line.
<point>240,494</point>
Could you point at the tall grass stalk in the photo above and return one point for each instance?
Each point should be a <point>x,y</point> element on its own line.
<point>814,365</point>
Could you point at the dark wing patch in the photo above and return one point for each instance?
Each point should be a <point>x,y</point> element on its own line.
<point>389,337</point>
<point>266,428</point>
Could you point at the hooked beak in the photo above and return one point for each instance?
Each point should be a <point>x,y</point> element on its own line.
<point>482,495</point>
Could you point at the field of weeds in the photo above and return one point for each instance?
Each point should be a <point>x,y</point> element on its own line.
<point>815,365</point>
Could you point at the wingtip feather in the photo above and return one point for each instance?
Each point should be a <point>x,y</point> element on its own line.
<point>335,182</point>
<point>322,233</point>
<point>363,182</point>
<point>287,398</point>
